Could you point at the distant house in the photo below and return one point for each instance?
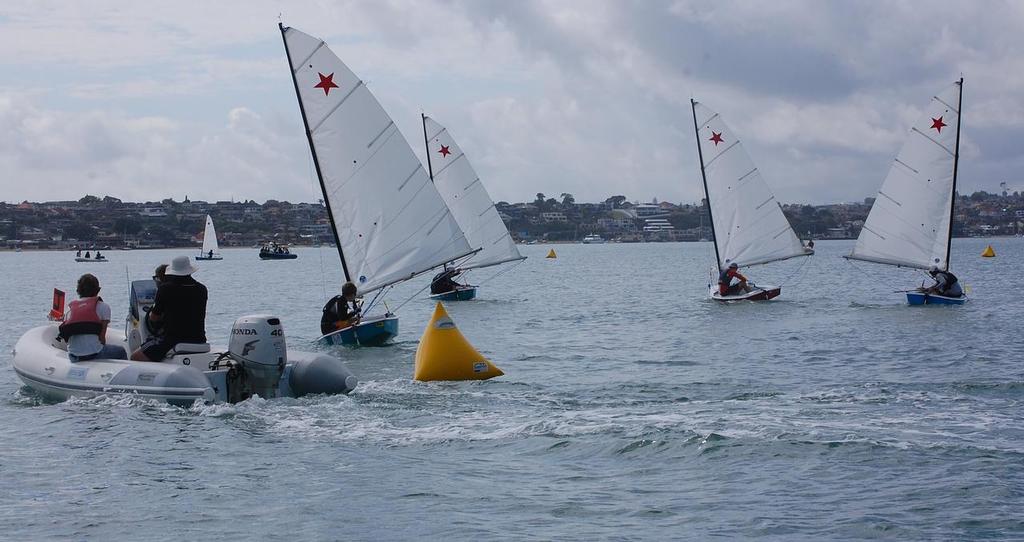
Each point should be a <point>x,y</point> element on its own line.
<point>554,217</point>
<point>152,212</point>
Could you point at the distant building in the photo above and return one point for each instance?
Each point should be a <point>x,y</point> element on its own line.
<point>554,217</point>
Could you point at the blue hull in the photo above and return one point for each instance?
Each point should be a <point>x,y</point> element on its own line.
<point>371,333</point>
<point>918,298</point>
<point>461,294</point>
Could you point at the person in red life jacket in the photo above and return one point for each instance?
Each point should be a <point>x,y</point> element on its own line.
<point>180,305</point>
<point>725,285</point>
<point>85,326</point>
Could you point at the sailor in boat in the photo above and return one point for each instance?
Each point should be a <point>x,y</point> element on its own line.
<point>444,281</point>
<point>810,245</point>
<point>87,254</point>
<point>180,306</point>
<point>78,254</point>
<point>341,311</point>
<point>98,255</point>
<point>946,284</point>
<point>210,255</point>
<point>85,326</point>
<point>725,278</point>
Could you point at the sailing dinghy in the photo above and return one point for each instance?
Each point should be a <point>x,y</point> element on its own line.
<point>748,226</point>
<point>470,204</point>
<point>210,250</point>
<point>389,222</point>
<point>911,221</point>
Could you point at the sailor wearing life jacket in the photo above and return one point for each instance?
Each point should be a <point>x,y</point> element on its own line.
<point>85,326</point>
<point>946,283</point>
<point>725,285</point>
<point>340,311</point>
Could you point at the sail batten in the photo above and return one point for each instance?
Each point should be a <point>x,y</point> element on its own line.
<point>910,222</point>
<point>468,200</point>
<point>390,225</point>
<point>748,229</point>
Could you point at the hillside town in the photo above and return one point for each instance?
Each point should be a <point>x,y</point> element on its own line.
<point>110,223</point>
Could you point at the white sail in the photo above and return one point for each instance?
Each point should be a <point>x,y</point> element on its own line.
<point>468,200</point>
<point>748,222</point>
<point>210,239</point>
<point>390,221</point>
<point>909,223</point>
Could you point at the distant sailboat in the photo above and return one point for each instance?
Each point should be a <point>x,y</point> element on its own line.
<point>470,204</point>
<point>911,221</point>
<point>748,226</point>
<point>211,249</point>
<point>389,222</point>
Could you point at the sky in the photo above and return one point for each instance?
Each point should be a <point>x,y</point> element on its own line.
<point>147,100</point>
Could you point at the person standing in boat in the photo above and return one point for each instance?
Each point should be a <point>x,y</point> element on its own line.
<point>444,281</point>
<point>946,283</point>
<point>725,285</point>
<point>341,311</point>
<point>85,326</point>
<point>180,306</point>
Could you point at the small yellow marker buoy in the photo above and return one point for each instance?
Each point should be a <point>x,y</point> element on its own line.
<point>551,254</point>
<point>988,253</point>
<point>444,354</point>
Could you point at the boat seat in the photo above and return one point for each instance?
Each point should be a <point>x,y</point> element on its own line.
<point>190,348</point>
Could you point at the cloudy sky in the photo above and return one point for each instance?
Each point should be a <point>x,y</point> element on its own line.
<point>147,100</point>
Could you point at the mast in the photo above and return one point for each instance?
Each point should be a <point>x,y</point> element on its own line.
<point>426,145</point>
<point>312,149</point>
<point>707,198</point>
<point>956,159</point>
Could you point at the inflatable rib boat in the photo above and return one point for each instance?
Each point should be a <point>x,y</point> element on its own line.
<point>256,362</point>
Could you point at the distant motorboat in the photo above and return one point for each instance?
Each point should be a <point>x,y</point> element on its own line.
<point>90,258</point>
<point>274,251</point>
<point>593,239</point>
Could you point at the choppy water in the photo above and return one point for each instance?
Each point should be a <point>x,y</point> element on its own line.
<point>632,408</point>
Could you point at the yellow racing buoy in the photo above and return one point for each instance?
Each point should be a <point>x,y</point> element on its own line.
<point>444,354</point>
<point>988,253</point>
<point>551,254</point>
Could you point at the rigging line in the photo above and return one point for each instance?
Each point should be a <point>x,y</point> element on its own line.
<point>414,296</point>
<point>866,274</point>
<point>499,273</point>
<point>319,248</point>
<point>794,274</point>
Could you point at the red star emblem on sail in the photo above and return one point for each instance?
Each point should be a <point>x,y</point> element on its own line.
<point>716,137</point>
<point>938,124</point>
<point>326,83</point>
<point>443,151</point>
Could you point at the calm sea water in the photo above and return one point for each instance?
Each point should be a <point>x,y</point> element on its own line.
<point>632,408</point>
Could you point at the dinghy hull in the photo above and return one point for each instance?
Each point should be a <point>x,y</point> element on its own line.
<point>759,293</point>
<point>288,256</point>
<point>459,294</point>
<point>369,332</point>
<point>208,259</point>
<point>921,298</point>
<point>83,260</point>
<point>181,379</point>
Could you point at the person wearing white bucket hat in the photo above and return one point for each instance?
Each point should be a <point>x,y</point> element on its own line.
<point>180,306</point>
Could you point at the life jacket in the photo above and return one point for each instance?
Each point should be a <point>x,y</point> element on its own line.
<point>82,318</point>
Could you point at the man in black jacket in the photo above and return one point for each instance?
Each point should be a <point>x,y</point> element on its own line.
<point>180,306</point>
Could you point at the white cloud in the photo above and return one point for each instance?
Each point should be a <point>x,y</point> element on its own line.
<point>589,97</point>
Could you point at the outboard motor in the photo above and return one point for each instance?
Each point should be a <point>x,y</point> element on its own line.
<point>257,344</point>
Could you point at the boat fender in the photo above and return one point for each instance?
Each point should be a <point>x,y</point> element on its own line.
<point>445,354</point>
